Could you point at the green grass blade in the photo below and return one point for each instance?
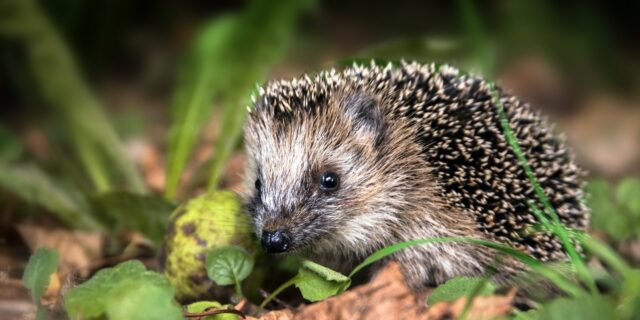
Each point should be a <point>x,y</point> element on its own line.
<point>34,186</point>
<point>229,57</point>
<point>199,82</point>
<point>557,278</point>
<point>605,253</point>
<point>478,36</point>
<point>281,288</point>
<point>64,90</point>
<point>557,228</point>
<point>234,116</point>
<point>266,29</point>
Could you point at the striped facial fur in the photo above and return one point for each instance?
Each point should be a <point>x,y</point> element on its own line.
<point>348,162</point>
<point>315,174</point>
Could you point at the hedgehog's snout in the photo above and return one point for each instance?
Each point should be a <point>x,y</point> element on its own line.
<point>277,241</point>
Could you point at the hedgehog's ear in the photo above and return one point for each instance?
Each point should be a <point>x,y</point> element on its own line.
<point>365,113</point>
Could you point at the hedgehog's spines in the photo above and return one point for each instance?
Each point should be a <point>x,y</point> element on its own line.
<point>462,140</point>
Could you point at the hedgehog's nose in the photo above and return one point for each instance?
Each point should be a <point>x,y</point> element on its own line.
<point>275,241</point>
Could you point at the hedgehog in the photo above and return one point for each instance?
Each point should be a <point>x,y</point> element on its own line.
<point>343,163</point>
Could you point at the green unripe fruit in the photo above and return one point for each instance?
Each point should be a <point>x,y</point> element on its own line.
<point>208,221</point>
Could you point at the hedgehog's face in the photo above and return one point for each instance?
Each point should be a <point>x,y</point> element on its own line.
<point>314,179</point>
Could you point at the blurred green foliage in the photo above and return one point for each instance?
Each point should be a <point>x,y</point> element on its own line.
<point>228,57</point>
<point>37,275</point>
<point>126,291</point>
<point>10,147</point>
<point>122,210</point>
<point>575,38</point>
<point>63,89</point>
<point>584,307</point>
<point>615,210</point>
<point>35,186</point>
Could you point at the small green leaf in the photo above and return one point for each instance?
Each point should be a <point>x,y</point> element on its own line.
<point>89,300</point>
<point>459,287</point>
<point>628,195</point>
<point>323,271</point>
<point>201,306</point>
<point>62,88</point>
<point>584,307</point>
<point>147,214</point>
<point>228,265</point>
<point>317,282</point>
<point>41,265</point>
<point>138,299</point>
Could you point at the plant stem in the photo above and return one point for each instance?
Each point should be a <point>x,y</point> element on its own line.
<point>239,290</point>
<point>277,291</point>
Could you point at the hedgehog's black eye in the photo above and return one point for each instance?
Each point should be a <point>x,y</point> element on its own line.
<point>329,180</point>
<point>258,184</point>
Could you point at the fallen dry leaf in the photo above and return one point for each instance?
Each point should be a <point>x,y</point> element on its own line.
<point>483,308</point>
<point>77,249</point>
<point>388,297</point>
<point>275,315</point>
<point>50,296</point>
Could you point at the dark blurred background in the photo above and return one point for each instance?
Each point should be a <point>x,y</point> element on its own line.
<point>576,59</point>
<point>147,98</point>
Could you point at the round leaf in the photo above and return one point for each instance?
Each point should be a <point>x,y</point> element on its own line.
<point>88,300</point>
<point>228,265</point>
<point>317,282</point>
<point>139,299</point>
